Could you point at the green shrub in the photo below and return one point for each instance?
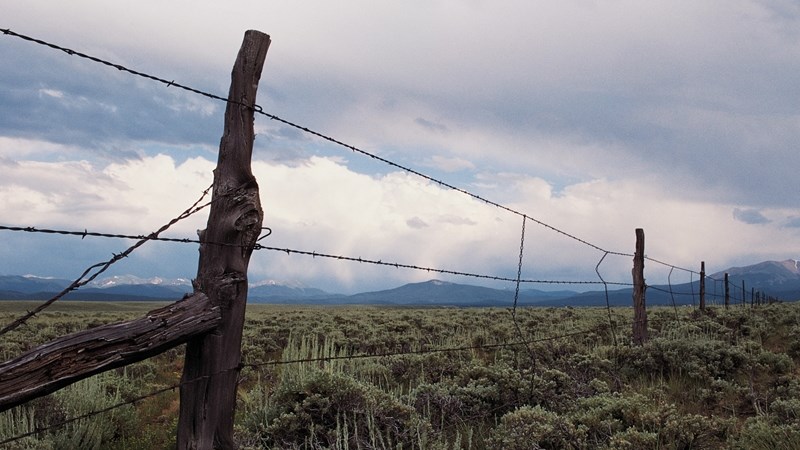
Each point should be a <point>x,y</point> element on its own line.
<point>531,428</point>
<point>331,410</point>
<point>761,434</point>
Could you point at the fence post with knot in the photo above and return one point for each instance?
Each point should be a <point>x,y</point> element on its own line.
<point>212,362</point>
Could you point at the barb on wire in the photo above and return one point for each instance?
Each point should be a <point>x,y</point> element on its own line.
<point>86,278</point>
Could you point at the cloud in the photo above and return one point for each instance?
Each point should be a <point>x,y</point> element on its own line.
<point>446,164</point>
<point>793,222</point>
<point>69,101</point>
<point>594,118</point>
<point>325,207</point>
<point>416,222</point>
<point>429,125</point>
<point>750,216</point>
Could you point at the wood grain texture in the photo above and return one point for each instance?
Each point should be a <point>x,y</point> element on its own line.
<point>65,360</point>
<point>211,369</point>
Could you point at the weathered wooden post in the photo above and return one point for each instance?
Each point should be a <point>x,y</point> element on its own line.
<point>208,390</point>
<point>639,311</point>
<point>702,285</point>
<point>744,295</point>
<point>727,291</point>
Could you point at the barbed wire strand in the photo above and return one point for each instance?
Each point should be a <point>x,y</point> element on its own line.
<point>520,343</point>
<point>259,110</point>
<point>289,251</point>
<point>669,265</point>
<point>132,401</point>
<point>85,233</point>
<point>39,430</point>
<point>85,278</point>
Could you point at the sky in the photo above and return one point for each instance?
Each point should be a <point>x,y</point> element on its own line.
<point>592,117</point>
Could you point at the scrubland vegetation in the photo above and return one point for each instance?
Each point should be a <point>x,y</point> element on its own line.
<point>713,380</point>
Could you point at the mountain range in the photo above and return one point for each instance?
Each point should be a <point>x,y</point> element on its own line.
<point>780,279</point>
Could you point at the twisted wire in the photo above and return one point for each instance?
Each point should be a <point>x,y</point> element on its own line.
<point>85,278</point>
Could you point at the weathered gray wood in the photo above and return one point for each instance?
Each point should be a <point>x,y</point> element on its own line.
<point>65,360</point>
<point>208,395</point>
<point>639,310</point>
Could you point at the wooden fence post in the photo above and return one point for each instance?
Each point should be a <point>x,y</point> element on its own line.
<point>639,311</point>
<point>702,285</point>
<point>744,295</point>
<point>212,364</point>
<point>727,291</point>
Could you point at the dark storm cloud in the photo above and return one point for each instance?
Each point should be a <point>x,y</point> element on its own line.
<point>750,216</point>
<point>48,95</point>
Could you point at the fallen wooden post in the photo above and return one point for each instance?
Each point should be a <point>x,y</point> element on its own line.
<point>63,361</point>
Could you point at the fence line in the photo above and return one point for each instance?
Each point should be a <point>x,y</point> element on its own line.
<point>141,239</point>
<point>259,110</point>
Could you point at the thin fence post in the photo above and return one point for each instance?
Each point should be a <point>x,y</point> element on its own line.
<point>702,285</point>
<point>639,310</point>
<point>727,291</point>
<point>744,295</point>
<point>752,297</point>
<point>213,361</point>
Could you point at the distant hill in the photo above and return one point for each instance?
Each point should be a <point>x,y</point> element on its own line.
<point>777,279</point>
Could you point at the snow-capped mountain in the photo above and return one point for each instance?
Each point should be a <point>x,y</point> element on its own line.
<point>120,280</point>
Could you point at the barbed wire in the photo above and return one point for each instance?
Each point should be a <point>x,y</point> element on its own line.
<point>519,343</point>
<point>85,233</point>
<point>259,110</point>
<point>259,365</point>
<point>85,278</point>
<point>65,422</point>
<point>82,280</point>
<point>120,67</point>
<point>289,251</point>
